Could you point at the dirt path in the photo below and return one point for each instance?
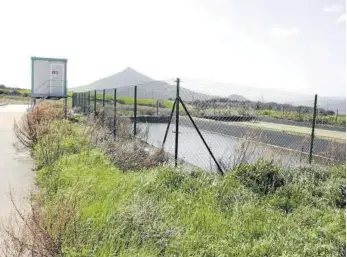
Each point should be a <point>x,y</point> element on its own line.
<point>15,168</point>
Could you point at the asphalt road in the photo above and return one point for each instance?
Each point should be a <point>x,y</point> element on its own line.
<point>16,173</point>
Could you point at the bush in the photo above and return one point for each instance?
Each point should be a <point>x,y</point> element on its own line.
<point>147,111</point>
<point>129,155</point>
<point>120,101</point>
<point>14,92</point>
<point>261,178</point>
<point>35,124</point>
<point>231,193</point>
<point>310,187</point>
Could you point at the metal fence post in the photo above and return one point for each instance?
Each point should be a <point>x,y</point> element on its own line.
<point>202,138</point>
<point>177,118</point>
<point>84,102</point>
<point>81,101</point>
<point>103,98</point>
<point>115,113</point>
<point>135,109</point>
<point>65,107</point>
<point>73,100</point>
<point>313,127</point>
<point>94,102</point>
<point>88,102</point>
<point>157,107</point>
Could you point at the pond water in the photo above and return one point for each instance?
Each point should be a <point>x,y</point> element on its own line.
<point>228,150</point>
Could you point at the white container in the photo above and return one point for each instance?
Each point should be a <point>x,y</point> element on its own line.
<point>48,77</point>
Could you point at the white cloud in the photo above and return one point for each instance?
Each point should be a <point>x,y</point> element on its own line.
<point>333,8</point>
<point>341,19</point>
<point>284,32</point>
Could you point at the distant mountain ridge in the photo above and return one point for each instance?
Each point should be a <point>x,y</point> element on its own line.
<point>148,88</point>
<point>151,89</point>
<point>266,95</point>
<point>239,98</point>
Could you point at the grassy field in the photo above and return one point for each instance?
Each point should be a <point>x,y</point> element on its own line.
<point>320,133</point>
<point>15,99</point>
<point>160,212</point>
<point>92,208</point>
<point>339,120</point>
<point>25,91</point>
<point>130,100</point>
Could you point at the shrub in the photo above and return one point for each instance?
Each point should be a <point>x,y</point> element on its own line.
<point>311,187</point>
<point>30,232</point>
<point>120,101</point>
<point>62,138</point>
<point>149,111</point>
<point>14,92</point>
<point>35,124</point>
<point>231,193</point>
<point>261,178</point>
<point>129,155</point>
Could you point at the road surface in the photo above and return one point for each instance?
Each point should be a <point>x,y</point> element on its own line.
<point>15,167</point>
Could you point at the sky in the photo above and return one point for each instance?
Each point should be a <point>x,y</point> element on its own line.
<point>297,46</point>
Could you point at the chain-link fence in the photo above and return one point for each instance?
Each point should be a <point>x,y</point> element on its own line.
<point>216,133</point>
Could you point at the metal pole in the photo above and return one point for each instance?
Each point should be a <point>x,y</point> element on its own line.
<point>202,138</point>
<point>157,107</point>
<point>84,102</point>
<point>115,113</point>
<point>313,127</point>
<point>135,109</point>
<point>103,98</point>
<point>168,125</point>
<point>177,119</point>
<point>86,98</point>
<point>73,100</point>
<point>88,101</point>
<point>65,107</point>
<point>81,97</point>
<point>94,102</point>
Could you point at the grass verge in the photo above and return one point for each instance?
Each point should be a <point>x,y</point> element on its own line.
<point>92,208</point>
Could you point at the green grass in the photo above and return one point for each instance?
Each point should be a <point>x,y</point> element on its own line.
<point>293,115</point>
<point>27,91</point>
<point>255,210</point>
<point>140,101</point>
